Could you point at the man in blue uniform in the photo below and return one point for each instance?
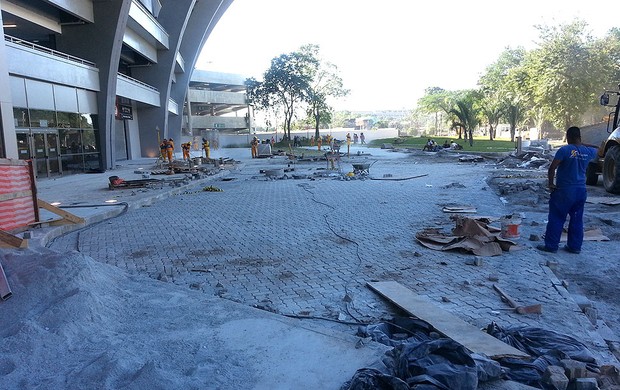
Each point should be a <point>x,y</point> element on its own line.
<point>568,193</point>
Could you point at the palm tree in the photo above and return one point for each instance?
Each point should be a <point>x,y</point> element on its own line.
<point>468,116</point>
<point>492,113</point>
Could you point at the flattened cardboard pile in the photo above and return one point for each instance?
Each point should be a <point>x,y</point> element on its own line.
<point>469,235</point>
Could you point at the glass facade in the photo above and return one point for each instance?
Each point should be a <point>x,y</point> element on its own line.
<point>64,142</point>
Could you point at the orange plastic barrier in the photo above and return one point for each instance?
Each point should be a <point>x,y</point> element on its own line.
<point>18,207</point>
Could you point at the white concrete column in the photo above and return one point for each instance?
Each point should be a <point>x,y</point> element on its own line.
<point>6,105</point>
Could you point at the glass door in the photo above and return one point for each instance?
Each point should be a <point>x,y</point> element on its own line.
<point>53,157</point>
<point>45,151</point>
<point>40,155</point>
<point>23,146</point>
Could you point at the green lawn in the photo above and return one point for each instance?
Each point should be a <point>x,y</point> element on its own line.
<point>480,144</point>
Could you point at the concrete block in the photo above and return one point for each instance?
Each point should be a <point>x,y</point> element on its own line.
<point>586,384</point>
<point>574,369</point>
<point>592,314</point>
<point>552,264</point>
<point>555,377</point>
<point>582,301</point>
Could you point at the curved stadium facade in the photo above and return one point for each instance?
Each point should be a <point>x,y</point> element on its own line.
<point>87,83</point>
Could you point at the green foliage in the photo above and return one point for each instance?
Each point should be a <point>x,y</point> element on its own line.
<point>286,83</point>
<point>295,80</point>
<point>467,113</point>
<point>326,83</point>
<point>480,145</point>
<point>556,84</point>
<point>565,73</point>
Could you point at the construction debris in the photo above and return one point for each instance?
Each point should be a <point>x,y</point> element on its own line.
<point>445,322</point>
<point>520,309</point>
<point>119,183</point>
<point>454,208</point>
<point>527,160</point>
<point>469,235</point>
<point>471,159</point>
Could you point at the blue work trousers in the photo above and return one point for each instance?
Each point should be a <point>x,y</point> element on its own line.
<point>563,202</point>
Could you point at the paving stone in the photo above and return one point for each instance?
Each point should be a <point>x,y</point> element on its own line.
<point>274,240</point>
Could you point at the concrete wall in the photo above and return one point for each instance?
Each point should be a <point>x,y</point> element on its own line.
<point>229,140</point>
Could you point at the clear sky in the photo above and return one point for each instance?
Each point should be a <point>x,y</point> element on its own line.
<point>389,51</point>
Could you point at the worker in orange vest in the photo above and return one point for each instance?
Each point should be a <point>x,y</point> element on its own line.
<point>186,150</point>
<point>162,149</point>
<point>170,150</point>
<point>254,145</point>
<point>319,143</point>
<point>206,146</point>
<point>348,144</point>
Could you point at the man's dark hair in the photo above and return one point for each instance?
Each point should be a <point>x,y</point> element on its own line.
<point>573,134</point>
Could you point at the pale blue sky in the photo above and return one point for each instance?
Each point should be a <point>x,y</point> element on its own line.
<point>389,51</point>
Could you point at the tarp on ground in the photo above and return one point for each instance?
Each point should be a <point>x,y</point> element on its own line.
<point>421,359</point>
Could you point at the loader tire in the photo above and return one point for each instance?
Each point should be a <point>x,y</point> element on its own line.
<point>611,170</point>
<point>592,174</point>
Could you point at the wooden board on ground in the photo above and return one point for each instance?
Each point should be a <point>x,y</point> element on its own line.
<point>66,216</point>
<point>7,240</point>
<point>446,323</point>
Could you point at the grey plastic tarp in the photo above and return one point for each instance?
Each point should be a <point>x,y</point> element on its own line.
<point>422,359</point>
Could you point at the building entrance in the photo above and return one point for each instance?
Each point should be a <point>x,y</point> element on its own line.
<point>43,149</point>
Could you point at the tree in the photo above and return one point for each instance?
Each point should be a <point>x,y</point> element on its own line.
<point>286,84</point>
<point>435,101</point>
<point>498,88</point>
<point>565,73</point>
<point>513,115</point>
<point>467,114</point>
<point>325,83</point>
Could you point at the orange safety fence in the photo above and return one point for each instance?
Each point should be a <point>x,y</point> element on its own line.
<point>18,194</point>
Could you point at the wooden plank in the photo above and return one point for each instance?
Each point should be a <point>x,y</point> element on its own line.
<point>12,241</point>
<point>446,323</point>
<point>60,212</point>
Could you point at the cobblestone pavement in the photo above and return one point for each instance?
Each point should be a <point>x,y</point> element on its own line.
<point>308,246</point>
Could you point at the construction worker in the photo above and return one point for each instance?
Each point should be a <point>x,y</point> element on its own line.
<point>319,143</point>
<point>207,148</point>
<point>186,150</point>
<point>348,144</point>
<point>254,145</point>
<point>162,149</point>
<point>312,141</point>
<point>170,150</point>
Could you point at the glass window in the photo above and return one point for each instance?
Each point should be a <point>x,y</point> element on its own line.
<point>72,163</point>
<point>90,138</point>
<point>42,118</point>
<point>22,119</point>
<point>87,121</point>
<point>2,152</point>
<point>68,120</point>
<point>70,141</point>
